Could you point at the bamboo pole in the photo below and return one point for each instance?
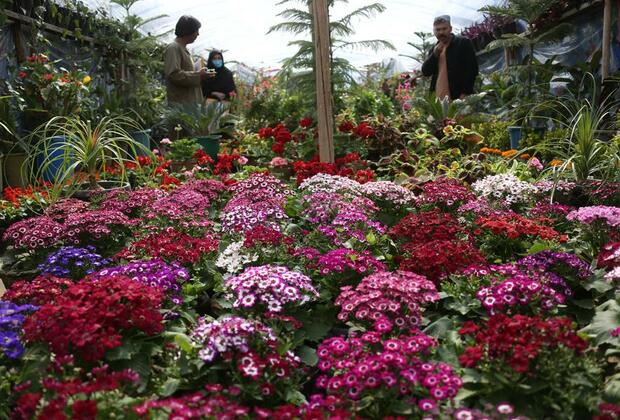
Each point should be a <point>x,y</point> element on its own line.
<point>322,73</point>
<point>606,40</point>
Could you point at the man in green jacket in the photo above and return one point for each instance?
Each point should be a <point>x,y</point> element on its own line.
<point>182,81</point>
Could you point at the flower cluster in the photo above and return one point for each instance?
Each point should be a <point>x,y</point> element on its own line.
<point>90,317</point>
<point>588,215</point>
<point>245,214</point>
<point>566,265</point>
<point>41,290</point>
<point>261,236</point>
<point>267,287</point>
<point>341,260</point>
<point>351,222</point>
<point>517,341</point>
<point>180,204</point>
<point>609,257</point>
<point>515,226</point>
<point>388,371</point>
<point>505,187</point>
<point>263,184</point>
<point>322,207</point>
<point>154,273</point>
<point>210,188</point>
<point>72,262</point>
<point>250,349</point>
<point>12,318</point>
<point>445,192</point>
<point>33,233</point>
<point>235,257</point>
<point>18,195</point>
<point>131,202</point>
<point>60,209</point>
<point>436,259</point>
<point>388,192</point>
<point>172,246</point>
<point>427,226</point>
<point>94,225</point>
<point>503,296</point>
<point>331,184</point>
<point>396,297</point>
<point>59,395</point>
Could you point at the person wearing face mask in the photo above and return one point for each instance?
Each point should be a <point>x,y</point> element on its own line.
<point>221,87</point>
<point>182,81</point>
<point>452,64</point>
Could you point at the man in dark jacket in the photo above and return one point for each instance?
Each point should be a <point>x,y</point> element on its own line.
<point>452,63</point>
<point>222,86</point>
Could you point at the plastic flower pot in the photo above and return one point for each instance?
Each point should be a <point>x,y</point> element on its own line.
<point>143,138</point>
<point>516,133</point>
<point>52,158</point>
<point>210,144</point>
<point>84,193</point>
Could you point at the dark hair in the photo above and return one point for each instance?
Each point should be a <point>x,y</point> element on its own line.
<point>186,25</point>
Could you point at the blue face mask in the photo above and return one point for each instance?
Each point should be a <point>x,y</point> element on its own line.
<point>218,64</point>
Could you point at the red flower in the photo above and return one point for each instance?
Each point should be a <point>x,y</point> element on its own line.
<point>281,134</point>
<point>306,122</point>
<point>346,127</point>
<point>364,176</point>
<point>266,132</point>
<point>277,148</point>
<point>23,75</point>
<point>84,410</point>
<point>48,77</point>
<point>364,130</point>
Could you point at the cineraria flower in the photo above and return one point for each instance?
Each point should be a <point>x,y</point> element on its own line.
<point>12,317</point>
<point>517,341</point>
<point>588,215</point>
<point>60,209</point>
<point>561,263</point>
<point>131,202</point>
<point>331,184</point>
<point>41,290</point>
<point>180,204</point>
<point>154,273</point>
<point>33,233</point>
<point>322,208</point>
<point>481,207</point>
<point>505,187</point>
<point>350,223</point>
<point>613,275</point>
<point>341,260</point>
<point>90,318</point>
<point>234,259</point>
<point>267,184</point>
<point>246,215</point>
<point>209,188</point>
<point>396,297</point>
<point>427,226</point>
<point>249,350</point>
<point>197,405</point>
<point>546,186</point>
<point>271,288</point>
<point>397,369</point>
<point>72,262</point>
<point>444,192</point>
<point>93,225</point>
<point>388,191</point>
<point>172,246</point>
<point>609,257</point>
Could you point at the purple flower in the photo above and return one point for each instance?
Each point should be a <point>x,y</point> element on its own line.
<point>12,317</point>
<point>72,262</point>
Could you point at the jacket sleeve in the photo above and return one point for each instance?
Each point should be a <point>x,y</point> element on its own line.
<point>431,65</point>
<point>175,74</point>
<point>471,67</point>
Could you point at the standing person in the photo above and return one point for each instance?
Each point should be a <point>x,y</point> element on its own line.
<point>182,81</point>
<point>222,86</point>
<point>452,63</point>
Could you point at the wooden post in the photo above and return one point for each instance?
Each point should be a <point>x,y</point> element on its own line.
<point>322,73</point>
<point>606,39</point>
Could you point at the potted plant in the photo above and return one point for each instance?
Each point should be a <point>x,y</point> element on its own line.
<point>70,144</point>
<point>181,153</point>
<point>12,157</point>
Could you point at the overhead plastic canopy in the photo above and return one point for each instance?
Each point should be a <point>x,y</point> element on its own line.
<point>239,27</point>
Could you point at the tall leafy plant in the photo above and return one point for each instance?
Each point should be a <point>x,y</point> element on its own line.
<point>528,11</point>
<point>423,45</point>
<point>299,21</point>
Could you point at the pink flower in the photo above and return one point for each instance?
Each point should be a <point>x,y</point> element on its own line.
<point>242,160</point>
<point>278,161</point>
<point>535,163</point>
<point>165,141</point>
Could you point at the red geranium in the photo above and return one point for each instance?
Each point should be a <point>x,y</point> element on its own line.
<point>346,127</point>
<point>306,122</point>
<point>364,130</point>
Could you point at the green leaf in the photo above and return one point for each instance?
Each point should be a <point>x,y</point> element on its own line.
<point>169,387</point>
<point>308,355</point>
<point>371,238</point>
<point>293,396</point>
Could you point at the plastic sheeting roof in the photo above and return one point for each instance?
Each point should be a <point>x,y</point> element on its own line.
<point>239,27</point>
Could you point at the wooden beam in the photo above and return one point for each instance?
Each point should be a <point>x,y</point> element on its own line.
<point>322,71</point>
<point>606,40</point>
<point>17,17</point>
